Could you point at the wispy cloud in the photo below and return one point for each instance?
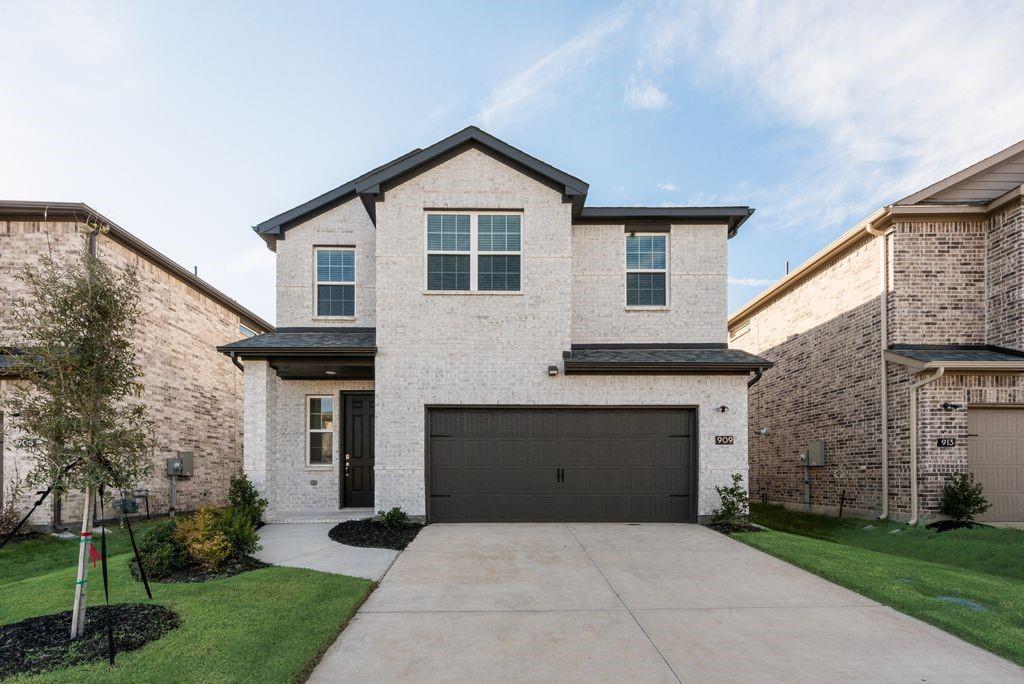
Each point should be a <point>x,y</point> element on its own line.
<point>530,90</point>
<point>890,118</point>
<point>642,93</point>
<point>751,282</point>
<point>667,186</point>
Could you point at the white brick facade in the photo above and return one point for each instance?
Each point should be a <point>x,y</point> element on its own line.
<point>489,349</point>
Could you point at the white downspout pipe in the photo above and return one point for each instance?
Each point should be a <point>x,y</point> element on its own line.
<point>883,299</point>
<point>939,372</point>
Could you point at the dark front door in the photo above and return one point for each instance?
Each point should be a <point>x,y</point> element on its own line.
<point>561,464</point>
<point>357,458</point>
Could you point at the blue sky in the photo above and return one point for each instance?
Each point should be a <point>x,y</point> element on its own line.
<point>188,122</point>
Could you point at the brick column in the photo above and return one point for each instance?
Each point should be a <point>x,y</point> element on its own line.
<point>260,424</point>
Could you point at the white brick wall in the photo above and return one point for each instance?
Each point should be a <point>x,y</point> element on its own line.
<point>346,225</point>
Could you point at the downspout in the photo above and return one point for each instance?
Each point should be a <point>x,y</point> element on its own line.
<point>234,360</point>
<point>913,440</point>
<point>883,299</point>
<point>757,376</point>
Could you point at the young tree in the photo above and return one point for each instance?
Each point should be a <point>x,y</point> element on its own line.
<point>75,324</point>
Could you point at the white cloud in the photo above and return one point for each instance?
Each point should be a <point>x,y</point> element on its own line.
<point>899,94</point>
<point>531,89</point>
<point>641,93</point>
<point>667,186</point>
<point>751,282</point>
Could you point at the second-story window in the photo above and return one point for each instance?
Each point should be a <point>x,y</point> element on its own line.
<point>474,252</point>
<point>335,291</point>
<point>646,270</point>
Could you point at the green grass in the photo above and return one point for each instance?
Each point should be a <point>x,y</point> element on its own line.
<point>910,570</point>
<point>265,625</point>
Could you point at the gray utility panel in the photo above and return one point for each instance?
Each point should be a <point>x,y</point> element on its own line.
<point>500,464</point>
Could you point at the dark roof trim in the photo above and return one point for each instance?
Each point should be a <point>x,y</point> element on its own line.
<point>326,329</point>
<point>653,345</point>
<point>958,347</point>
<point>733,216</point>
<point>263,352</point>
<point>664,368</point>
<point>83,213</point>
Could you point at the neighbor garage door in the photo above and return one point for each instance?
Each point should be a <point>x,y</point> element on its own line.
<point>558,464</point>
<point>995,454</point>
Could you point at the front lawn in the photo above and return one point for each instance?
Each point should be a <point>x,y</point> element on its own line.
<point>967,582</point>
<point>264,625</point>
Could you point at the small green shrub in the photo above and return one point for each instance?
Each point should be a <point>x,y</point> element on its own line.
<point>237,526</point>
<point>161,551</point>
<point>203,539</point>
<point>735,502</point>
<point>962,498</point>
<point>243,496</point>
<point>395,518</point>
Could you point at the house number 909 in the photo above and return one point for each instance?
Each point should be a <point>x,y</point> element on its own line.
<point>724,439</point>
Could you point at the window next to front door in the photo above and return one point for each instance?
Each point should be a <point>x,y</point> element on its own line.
<point>320,431</point>
<point>334,293</point>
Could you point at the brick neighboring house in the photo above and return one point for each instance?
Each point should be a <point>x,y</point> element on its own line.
<point>948,320</point>
<point>461,336</point>
<point>194,394</point>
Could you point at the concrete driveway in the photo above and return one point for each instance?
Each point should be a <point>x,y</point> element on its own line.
<point>638,603</point>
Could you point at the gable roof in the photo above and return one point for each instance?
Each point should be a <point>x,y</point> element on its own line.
<point>371,186</point>
<point>83,213</point>
<point>979,183</point>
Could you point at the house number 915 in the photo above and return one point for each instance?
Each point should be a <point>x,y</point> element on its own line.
<point>724,439</point>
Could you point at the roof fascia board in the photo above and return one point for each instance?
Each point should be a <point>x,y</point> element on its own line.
<point>917,365</point>
<point>959,176</point>
<point>608,368</point>
<point>263,352</point>
<point>79,212</point>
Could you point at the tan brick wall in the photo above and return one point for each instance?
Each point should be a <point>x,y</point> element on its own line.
<point>1005,277</point>
<point>193,392</point>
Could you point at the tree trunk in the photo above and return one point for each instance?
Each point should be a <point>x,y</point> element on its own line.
<point>84,544</point>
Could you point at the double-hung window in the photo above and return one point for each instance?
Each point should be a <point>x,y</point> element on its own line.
<point>472,252</point>
<point>646,270</point>
<point>335,289</point>
<point>320,431</point>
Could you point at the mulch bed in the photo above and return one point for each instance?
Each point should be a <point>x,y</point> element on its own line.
<point>947,525</point>
<point>41,643</point>
<point>21,537</point>
<point>372,534</point>
<point>195,573</point>
<point>729,528</point>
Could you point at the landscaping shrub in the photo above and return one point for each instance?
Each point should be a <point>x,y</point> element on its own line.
<point>161,552</point>
<point>733,509</point>
<point>237,526</point>
<point>396,518</point>
<point>243,496</point>
<point>962,498</point>
<point>203,539</point>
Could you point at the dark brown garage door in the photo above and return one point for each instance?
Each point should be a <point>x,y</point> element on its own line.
<point>580,464</point>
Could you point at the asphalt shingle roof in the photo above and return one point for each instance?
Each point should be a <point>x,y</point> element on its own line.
<point>955,354</point>
<point>306,339</point>
<point>664,358</point>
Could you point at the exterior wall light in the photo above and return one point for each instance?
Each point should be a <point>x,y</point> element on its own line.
<point>552,370</point>
<point>949,406</point>
<point>722,409</point>
<point>331,372</point>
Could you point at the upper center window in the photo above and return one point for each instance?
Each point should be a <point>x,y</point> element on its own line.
<point>646,270</point>
<point>474,252</point>
<point>335,283</point>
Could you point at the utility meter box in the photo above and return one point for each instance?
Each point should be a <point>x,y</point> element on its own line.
<point>816,452</point>
<point>181,465</point>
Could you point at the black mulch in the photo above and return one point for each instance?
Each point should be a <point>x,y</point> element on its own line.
<point>730,528</point>
<point>194,573</point>
<point>41,643</point>
<point>372,534</point>
<point>21,537</point>
<point>947,525</point>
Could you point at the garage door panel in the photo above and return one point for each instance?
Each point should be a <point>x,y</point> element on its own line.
<point>995,455</point>
<point>503,464</point>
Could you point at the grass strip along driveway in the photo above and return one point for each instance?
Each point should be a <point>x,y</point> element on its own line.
<point>265,625</point>
<point>967,582</point>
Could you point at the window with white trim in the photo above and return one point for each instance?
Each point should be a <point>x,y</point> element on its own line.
<point>474,252</point>
<point>335,287</point>
<point>646,270</point>
<point>320,431</point>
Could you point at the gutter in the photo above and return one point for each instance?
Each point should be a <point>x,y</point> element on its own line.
<point>883,382</point>
<point>914,439</point>
<point>234,360</point>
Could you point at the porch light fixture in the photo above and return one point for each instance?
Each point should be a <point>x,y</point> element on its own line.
<point>552,370</point>
<point>331,372</point>
<point>949,406</point>
<point>722,409</point>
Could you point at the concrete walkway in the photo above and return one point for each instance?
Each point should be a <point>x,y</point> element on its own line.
<point>306,545</point>
<point>637,603</point>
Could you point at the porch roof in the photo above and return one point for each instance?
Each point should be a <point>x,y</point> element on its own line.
<point>306,341</point>
<point>957,357</point>
<point>665,359</point>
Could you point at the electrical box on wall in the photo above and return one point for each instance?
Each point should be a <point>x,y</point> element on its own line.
<point>181,465</point>
<point>816,452</point>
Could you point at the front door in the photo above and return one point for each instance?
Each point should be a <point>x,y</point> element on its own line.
<point>357,459</point>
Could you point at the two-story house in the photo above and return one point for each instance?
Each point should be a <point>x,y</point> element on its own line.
<point>898,352</point>
<point>461,336</point>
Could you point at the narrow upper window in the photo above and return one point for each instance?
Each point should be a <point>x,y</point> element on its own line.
<point>646,270</point>
<point>320,430</point>
<point>335,283</point>
<point>474,252</point>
